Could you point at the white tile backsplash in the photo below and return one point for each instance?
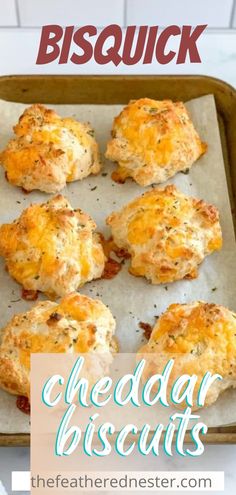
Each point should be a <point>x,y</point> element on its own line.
<point>234,16</point>
<point>8,15</point>
<point>71,12</point>
<point>215,13</point>
<point>34,13</point>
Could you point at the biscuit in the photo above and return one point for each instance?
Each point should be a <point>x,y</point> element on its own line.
<point>152,141</point>
<point>49,151</point>
<point>200,337</point>
<point>77,324</point>
<point>166,233</point>
<point>52,248</point>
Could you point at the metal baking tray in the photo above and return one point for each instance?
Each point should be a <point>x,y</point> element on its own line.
<point>119,90</point>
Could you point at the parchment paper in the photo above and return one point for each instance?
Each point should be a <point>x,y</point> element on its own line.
<point>131,299</point>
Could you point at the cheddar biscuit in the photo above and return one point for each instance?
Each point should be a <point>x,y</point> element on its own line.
<point>49,151</point>
<point>52,248</point>
<point>77,324</point>
<point>166,233</point>
<point>152,141</point>
<point>201,338</point>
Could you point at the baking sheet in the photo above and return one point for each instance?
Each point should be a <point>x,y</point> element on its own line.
<point>131,299</point>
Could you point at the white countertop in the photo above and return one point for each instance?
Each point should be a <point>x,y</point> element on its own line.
<point>215,458</point>
<point>218,52</point>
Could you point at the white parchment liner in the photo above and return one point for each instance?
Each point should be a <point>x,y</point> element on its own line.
<point>131,299</point>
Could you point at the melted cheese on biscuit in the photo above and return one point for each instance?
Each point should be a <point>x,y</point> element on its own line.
<point>200,337</point>
<point>49,151</point>
<point>166,233</point>
<point>152,140</point>
<point>77,324</point>
<point>52,248</point>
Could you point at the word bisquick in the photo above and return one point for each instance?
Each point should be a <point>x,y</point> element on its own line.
<point>116,45</point>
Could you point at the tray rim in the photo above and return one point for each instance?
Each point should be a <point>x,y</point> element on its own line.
<point>227,434</point>
<point>120,76</point>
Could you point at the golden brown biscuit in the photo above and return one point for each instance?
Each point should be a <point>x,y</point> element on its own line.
<point>152,141</point>
<point>49,151</point>
<point>77,324</point>
<point>166,233</point>
<point>201,337</point>
<point>52,248</point>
